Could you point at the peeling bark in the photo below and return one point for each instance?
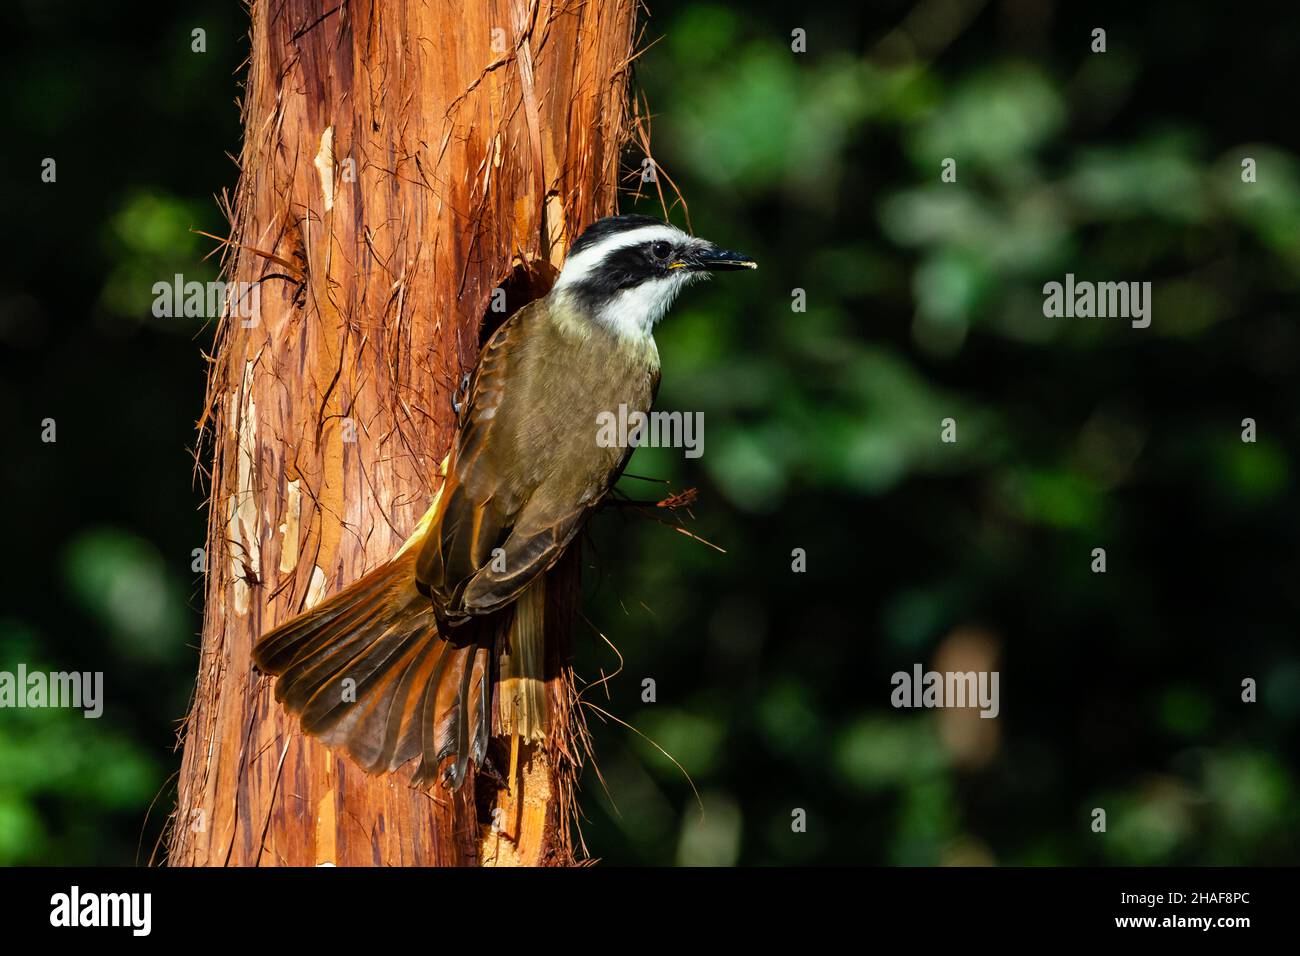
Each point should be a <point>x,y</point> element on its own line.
<point>401,160</point>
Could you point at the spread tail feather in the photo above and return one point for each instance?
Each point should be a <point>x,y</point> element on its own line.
<point>368,672</point>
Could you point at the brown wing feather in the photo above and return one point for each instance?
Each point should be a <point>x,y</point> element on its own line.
<point>526,556</point>
<point>473,514</point>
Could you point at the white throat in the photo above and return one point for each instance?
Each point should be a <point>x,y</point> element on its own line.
<point>634,312</point>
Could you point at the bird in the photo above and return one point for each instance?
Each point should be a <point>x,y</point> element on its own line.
<point>415,658</point>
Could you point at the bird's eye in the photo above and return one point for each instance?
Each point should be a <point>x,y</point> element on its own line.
<point>661,250</point>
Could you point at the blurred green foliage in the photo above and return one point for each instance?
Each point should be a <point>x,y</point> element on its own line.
<point>104,521</point>
<point>924,302</point>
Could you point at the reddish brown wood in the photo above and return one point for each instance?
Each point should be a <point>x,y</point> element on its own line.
<point>401,159</point>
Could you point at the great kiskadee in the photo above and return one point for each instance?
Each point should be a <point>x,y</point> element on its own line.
<point>408,661</point>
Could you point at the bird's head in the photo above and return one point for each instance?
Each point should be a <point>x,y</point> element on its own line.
<point>625,271</point>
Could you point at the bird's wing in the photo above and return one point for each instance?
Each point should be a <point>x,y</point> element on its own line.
<point>524,555</point>
<point>526,470</point>
<point>475,508</point>
<point>547,522</point>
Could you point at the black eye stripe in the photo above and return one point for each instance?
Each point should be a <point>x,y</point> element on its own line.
<point>621,269</point>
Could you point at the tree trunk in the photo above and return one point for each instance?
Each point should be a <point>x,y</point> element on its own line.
<point>402,160</point>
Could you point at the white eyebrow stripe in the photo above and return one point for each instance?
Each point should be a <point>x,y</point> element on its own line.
<point>580,266</point>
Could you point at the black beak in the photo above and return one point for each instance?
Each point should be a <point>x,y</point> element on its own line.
<point>714,259</point>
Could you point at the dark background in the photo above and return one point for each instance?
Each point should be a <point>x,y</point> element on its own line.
<point>1119,690</point>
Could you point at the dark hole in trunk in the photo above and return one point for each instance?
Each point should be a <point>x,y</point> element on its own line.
<point>527,281</point>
